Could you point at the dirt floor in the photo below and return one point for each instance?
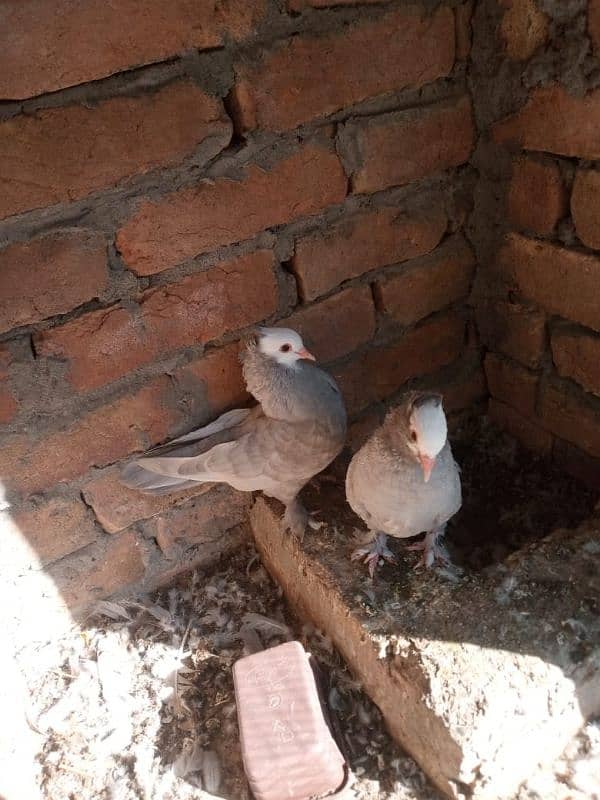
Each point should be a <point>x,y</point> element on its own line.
<point>138,704</point>
<point>511,497</point>
<point>141,704</point>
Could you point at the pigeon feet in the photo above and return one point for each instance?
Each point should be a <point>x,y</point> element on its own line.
<point>296,519</point>
<point>374,553</point>
<point>434,551</point>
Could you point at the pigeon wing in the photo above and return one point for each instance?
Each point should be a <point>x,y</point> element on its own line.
<point>272,451</point>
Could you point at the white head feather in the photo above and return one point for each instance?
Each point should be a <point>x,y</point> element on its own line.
<point>283,345</point>
<point>428,422</point>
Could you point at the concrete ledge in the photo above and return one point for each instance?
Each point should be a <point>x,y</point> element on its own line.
<point>480,679</point>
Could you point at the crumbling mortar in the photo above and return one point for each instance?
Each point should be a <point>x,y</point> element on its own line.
<point>108,209</point>
<point>416,194</point>
<point>394,334</point>
<point>65,405</point>
<point>210,68</point>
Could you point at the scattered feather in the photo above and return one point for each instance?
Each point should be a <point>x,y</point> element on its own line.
<point>158,612</point>
<point>266,625</point>
<point>211,772</point>
<point>216,617</point>
<point>191,759</point>
<point>335,700</point>
<point>184,745</point>
<point>112,610</point>
<point>251,639</point>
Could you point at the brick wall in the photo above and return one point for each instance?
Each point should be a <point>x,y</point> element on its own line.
<point>174,173</point>
<point>536,92</point>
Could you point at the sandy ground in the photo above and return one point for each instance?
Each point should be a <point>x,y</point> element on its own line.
<point>140,703</point>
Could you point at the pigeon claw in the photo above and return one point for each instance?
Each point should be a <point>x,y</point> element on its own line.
<point>374,554</point>
<point>296,519</point>
<point>433,550</point>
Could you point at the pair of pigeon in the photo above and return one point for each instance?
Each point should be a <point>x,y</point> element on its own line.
<point>402,482</point>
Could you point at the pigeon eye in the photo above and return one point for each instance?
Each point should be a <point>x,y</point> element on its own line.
<point>413,436</point>
<point>285,348</point>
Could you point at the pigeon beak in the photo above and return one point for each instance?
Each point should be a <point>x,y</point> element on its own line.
<point>427,464</point>
<point>304,353</point>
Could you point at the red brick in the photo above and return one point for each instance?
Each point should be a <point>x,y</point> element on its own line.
<point>398,148</point>
<point>577,356</point>
<point>361,430</point>
<point>8,403</point>
<point>514,330</point>
<point>594,24</point>
<point>464,391</point>
<point>202,307</point>
<point>570,418</point>
<point>298,5</point>
<point>524,28</point>
<point>579,464</point>
<point>99,571</point>
<point>50,275</point>
<point>522,428</point>
<point>97,438</point>
<point>511,383</point>
<point>213,383</point>
<point>76,42</point>
<point>307,77</point>
<point>537,198</point>
<point>98,347</point>
<point>51,529</point>
<point>107,344</point>
<point>585,207</point>
<point>562,281</point>
<point>425,287</point>
<point>209,215</point>
<point>556,122</point>
<point>202,521</point>
<point>338,325</point>
<point>63,154</point>
<point>116,507</point>
<point>380,372</point>
<point>365,242</point>
<point>463,14</point>
<point>205,388</point>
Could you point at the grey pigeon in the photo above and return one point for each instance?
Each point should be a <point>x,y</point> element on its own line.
<point>297,429</point>
<point>404,480</point>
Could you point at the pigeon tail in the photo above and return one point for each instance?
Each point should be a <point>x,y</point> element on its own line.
<point>146,475</point>
<point>135,476</point>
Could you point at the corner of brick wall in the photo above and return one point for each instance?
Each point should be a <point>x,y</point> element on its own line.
<point>168,183</point>
<point>537,223</point>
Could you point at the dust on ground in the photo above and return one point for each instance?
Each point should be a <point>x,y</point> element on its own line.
<point>511,497</point>
<point>138,704</point>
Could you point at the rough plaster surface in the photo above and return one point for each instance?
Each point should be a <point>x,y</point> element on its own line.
<point>481,677</point>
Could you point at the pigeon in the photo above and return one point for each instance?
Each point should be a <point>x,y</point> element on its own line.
<point>295,431</point>
<point>404,480</point>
